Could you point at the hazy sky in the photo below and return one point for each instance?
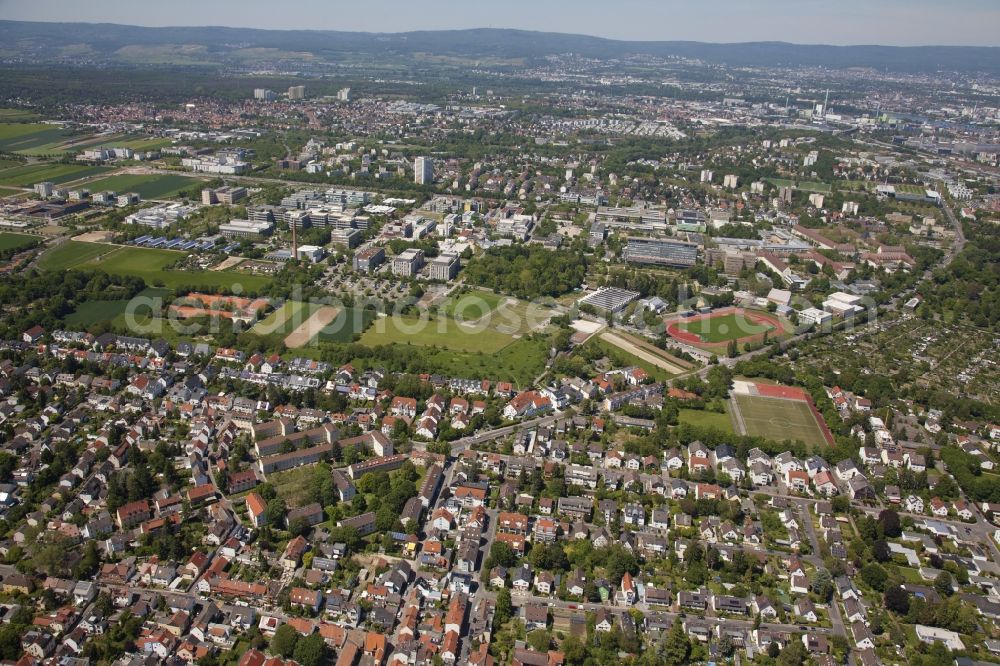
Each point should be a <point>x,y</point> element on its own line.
<point>903,22</point>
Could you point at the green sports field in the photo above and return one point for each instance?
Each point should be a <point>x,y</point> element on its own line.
<point>723,328</point>
<point>779,419</point>
<point>10,241</point>
<point>71,254</point>
<point>152,186</point>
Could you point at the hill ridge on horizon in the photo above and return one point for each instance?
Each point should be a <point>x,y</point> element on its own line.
<point>44,40</point>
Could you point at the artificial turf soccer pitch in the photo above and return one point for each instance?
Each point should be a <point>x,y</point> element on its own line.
<point>779,419</point>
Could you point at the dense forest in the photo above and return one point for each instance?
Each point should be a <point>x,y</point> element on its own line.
<point>528,271</point>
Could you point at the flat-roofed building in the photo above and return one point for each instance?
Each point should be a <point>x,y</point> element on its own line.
<point>661,252</point>
<point>245,229</point>
<point>368,259</point>
<point>408,262</point>
<point>444,267</point>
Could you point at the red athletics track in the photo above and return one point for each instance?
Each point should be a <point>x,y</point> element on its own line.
<point>676,332</point>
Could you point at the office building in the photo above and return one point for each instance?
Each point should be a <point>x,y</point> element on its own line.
<point>444,267</point>
<point>344,95</point>
<point>368,259</point>
<point>313,253</point>
<point>296,92</point>
<point>661,252</point>
<point>408,262</point>
<point>226,195</point>
<point>423,171</point>
<point>245,229</point>
<point>264,95</point>
<point>349,238</point>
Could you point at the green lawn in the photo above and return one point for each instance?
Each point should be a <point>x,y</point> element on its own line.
<point>147,186</point>
<point>11,241</point>
<point>349,323</point>
<point>700,417</point>
<point>150,263</point>
<point>285,319</point>
<point>434,332</point>
<point>778,419</point>
<point>71,254</point>
<point>147,263</point>
<point>95,312</point>
<point>472,305</point>
<point>28,175</point>
<point>722,329</point>
<point>519,362</point>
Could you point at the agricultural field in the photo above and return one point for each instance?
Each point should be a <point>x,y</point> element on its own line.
<point>149,264</point>
<point>32,138</point>
<point>778,419</point>
<point>29,174</point>
<point>11,241</point>
<point>435,332</point>
<point>150,186</point>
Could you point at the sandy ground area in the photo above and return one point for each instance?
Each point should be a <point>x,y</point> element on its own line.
<point>301,336</point>
<point>227,263</point>
<point>94,237</point>
<point>639,352</point>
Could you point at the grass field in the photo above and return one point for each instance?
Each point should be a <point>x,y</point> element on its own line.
<point>778,419</point>
<point>148,187</point>
<point>11,241</point>
<point>71,254</point>
<point>804,186</point>
<point>28,175</point>
<point>96,312</point>
<point>349,322</point>
<point>519,362</point>
<point>435,332</point>
<point>284,319</point>
<point>293,485</point>
<point>146,263</point>
<point>723,328</point>
<point>700,417</point>
<point>472,305</point>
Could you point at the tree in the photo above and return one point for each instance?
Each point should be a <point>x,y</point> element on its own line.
<point>793,655</point>
<point>889,521</point>
<point>310,651</point>
<point>897,600</point>
<point>539,640</point>
<point>874,576</point>
<point>822,584</point>
<point>284,641</point>
<point>504,610</point>
<point>677,648</point>
<point>881,551</point>
<point>943,584</point>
